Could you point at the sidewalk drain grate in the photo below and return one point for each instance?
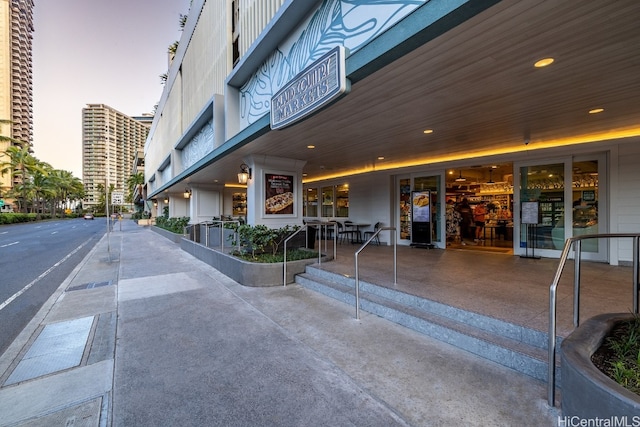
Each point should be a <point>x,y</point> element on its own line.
<point>89,285</point>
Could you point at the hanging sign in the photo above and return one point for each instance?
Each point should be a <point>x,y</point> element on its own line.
<point>314,87</point>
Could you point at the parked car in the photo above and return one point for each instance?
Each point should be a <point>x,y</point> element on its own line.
<point>88,216</point>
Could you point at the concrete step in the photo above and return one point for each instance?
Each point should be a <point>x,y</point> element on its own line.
<point>517,347</point>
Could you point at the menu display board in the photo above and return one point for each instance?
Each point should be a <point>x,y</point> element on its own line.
<point>278,192</point>
<point>530,212</point>
<point>421,206</point>
<point>421,218</point>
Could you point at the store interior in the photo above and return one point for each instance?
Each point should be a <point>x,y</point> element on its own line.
<point>490,185</point>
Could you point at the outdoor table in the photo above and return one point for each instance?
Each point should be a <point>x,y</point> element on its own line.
<point>355,226</point>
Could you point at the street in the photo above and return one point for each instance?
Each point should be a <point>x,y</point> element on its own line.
<point>35,258</point>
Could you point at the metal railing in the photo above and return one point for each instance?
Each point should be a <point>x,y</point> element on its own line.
<point>324,228</point>
<point>305,228</point>
<point>395,264</point>
<point>190,231</point>
<point>220,224</point>
<point>576,242</point>
<point>195,236</point>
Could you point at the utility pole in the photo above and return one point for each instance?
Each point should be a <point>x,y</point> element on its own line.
<point>106,197</point>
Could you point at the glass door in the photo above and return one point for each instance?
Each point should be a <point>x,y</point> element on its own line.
<point>432,184</point>
<point>404,187</point>
<point>568,200</point>
<point>588,213</point>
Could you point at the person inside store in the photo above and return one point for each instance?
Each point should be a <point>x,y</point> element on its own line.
<point>453,222</point>
<point>479,214</point>
<point>466,221</point>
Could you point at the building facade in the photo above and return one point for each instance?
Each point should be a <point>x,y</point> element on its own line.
<point>111,141</point>
<point>436,101</point>
<point>16,77</point>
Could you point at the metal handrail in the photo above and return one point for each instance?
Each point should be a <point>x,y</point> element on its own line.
<point>295,233</point>
<point>395,264</point>
<point>324,229</point>
<point>305,228</point>
<point>221,224</point>
<point>187,230</point>
<point>576,242</point>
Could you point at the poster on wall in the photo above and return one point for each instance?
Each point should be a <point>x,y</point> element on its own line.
<point>278,194</point>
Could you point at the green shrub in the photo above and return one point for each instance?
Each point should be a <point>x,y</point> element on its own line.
<point>174,224</point>
<point>14,218</point>
<point>263,244</point>
<point>619,355</point>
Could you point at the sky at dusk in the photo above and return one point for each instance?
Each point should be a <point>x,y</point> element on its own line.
<point>96,52</point>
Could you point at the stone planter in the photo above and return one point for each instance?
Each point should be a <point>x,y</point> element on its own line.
<point>587,393</point>
<point>247,273</point>
<point>175,238</point>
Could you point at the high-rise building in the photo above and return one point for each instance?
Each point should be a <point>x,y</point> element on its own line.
<point>110,142</point>
<point>16,78</point>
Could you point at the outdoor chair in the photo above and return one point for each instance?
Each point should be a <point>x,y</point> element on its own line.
<point>368,234</point>
<point>344,232</point>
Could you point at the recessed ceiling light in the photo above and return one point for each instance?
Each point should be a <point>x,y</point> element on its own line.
<point>427,131</point>
<point>380,157</point>
<point>596,110</point>
<point>543,62</point>
<point>311,147</point>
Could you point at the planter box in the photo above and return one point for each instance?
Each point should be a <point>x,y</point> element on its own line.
<point>175,238</point>
<point>247,273</point>
<point>586,392</point>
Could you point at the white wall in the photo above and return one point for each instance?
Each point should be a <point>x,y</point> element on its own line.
<point>369,200</point>
<point>625,200</point>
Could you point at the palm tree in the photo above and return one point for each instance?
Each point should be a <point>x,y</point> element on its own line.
<point>39,183</point>
<point>65,188</point>
<point>133,183</point>
<point>22,164</point>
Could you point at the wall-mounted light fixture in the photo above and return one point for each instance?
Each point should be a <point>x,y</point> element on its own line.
<point>166,200</point>
<point>245,174</point>
<point>187,193</point>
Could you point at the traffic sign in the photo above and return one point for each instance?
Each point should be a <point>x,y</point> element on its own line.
<point>117,198</point>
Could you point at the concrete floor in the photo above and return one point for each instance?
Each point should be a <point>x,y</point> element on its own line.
<point>492,282</point>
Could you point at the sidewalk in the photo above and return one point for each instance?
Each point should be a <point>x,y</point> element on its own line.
<point>143,334</point>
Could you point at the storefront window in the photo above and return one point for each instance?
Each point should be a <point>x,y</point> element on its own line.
<point>405,208</point>
<point>239,207</point>
<point>311,202</point>
<point>342,201</point>
<point>544,184</point>
<point>585,202</point>
<point>327,202</point>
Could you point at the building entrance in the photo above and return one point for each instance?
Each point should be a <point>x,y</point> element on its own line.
<point>479,208</point>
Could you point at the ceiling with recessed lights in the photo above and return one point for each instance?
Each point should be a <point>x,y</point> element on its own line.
<point>477,90</point>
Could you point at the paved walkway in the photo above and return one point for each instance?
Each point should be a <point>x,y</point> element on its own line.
<point>143,334</point>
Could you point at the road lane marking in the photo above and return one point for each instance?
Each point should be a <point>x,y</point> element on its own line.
<point>26,288</point>
<point>9,244</point>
